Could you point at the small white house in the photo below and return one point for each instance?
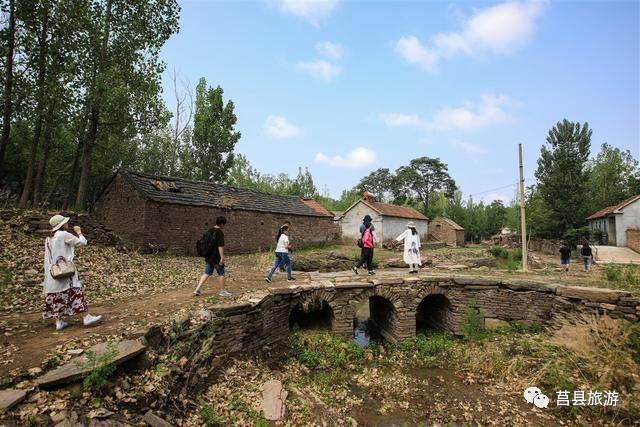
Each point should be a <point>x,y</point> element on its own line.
<point>614,221</point>
<point>389,220</point>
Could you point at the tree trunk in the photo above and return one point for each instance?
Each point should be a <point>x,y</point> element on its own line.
<point>74,171</point>
<point>33,154</point>
<point>87,152</point>
<point>94,116</point>
<point>42,163</point>
<point>40,84</point>
<point>8,84</point>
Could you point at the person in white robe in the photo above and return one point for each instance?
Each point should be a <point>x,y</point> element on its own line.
<point>411,239</point>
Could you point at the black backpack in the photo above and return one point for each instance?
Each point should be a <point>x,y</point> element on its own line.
<point>205,244</point>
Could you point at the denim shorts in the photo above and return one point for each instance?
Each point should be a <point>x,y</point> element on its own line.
<point>208,269</point>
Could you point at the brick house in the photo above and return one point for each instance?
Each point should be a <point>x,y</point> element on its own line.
<point>173,213</point>
<point>614,221</point>
<point>389,220</point>
<point>446,230</point>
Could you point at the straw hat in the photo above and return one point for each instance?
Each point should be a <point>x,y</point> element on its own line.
<point>410,224</point>
<point>58,221</point>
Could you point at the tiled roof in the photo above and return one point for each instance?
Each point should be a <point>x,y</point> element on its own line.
<point>610,210</point>
<point>449,221</point>
<point>387,209</point>
<point>313,204</point>
<point>202,193</point>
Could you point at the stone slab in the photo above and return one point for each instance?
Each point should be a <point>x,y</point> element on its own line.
<point>353,285</point>
<point>11,397</point>
<point>388,281</point>
<point>273,398</point>
<point>155,421</point>
<point>231,308</point>
<point>76,369</point>
<point>519,285</point>
<point>481,287</point>
<point>591,294</point>
<point>452,266</point>
<point>475,281</point>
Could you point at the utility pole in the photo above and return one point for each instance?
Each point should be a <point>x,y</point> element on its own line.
<point>523,221</point>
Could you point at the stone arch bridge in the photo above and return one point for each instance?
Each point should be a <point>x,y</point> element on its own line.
<point>399,302</point>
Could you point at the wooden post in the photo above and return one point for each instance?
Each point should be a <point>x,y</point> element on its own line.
<point>523,222</point>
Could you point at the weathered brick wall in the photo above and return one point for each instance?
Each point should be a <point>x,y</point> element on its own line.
<point>633,239</point>
<point>264,320</point>
<point>115,207</point>
<point>444,232</point>
<point>178,227</point>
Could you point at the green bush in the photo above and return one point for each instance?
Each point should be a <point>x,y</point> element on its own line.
<point>626,276</point>
<point>428,346</point>
<point>209,416</point>
<point>473,325</point>
<point>325,350</point>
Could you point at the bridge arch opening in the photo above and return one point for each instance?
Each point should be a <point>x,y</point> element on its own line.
<point>375,320</point>
<point>434,314</point>
<point>314,314</point>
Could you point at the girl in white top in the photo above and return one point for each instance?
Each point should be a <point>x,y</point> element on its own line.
<point>63,297</point>
<point>412,245</point>
<point>283,248</point>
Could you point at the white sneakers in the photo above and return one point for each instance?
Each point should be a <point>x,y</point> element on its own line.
<point>90,320</point>
<point>61,324</point>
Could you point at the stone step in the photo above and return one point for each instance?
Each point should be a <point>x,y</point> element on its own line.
<point>11,397</point>
<point>77,369</point>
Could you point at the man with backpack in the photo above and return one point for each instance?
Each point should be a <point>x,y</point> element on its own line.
<point>211,248</point>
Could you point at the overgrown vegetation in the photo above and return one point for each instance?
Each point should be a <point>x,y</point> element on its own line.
<point>100,367</point>
<point>325,350</point>
<point>509,259</point>
<point>473,325</point>
<point>623,276</point>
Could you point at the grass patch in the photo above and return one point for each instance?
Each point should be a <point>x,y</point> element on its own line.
<point>6,276</point>
<point>428,347</point>
<point>507,259</point>
<point>323,350</point>
<point>622,276</point>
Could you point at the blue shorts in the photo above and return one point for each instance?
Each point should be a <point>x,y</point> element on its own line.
<point>565,261</point>
<point>208,269</point>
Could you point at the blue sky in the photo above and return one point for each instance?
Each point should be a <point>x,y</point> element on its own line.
<point>347,87</point>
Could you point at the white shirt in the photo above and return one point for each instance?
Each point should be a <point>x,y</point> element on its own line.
<point>283,243</point>
<point>62,244</point>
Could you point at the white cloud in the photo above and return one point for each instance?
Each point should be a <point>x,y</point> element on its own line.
<point>413,52</point>
<point>488,111</point>
<point>472,116</point>
<point>499,29</point>
<point>320,69</point>
<point>331,50</point>
<point>313,11</point>
<point>469,148</point>
<point>401,120</point>
<point>355,159</point>
<point>279,127</point>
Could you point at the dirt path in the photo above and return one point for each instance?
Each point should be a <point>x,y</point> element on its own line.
<point>26,339</point>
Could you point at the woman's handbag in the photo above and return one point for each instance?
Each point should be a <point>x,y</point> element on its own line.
<point>62,268</point>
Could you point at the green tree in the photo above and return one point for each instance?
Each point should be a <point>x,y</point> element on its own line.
<point>496,217</point>
<point>214,136</point>
<point>561,174</point>
<point>379,183</point>
<point>7,110</point>
<point>417,181</point>
<point>611,177</point>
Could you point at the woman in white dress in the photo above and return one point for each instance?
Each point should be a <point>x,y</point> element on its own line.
<point>64,297</point>
<point>411,240</point>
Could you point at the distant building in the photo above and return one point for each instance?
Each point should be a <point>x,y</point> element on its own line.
<point>389,220</point>
<point>173,213</point>
<point>614,221</point>
<point>446,230</point>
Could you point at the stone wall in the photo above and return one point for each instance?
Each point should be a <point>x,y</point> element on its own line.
<point>177,228</point>
<point>633,239</point>
<point>263,320</point>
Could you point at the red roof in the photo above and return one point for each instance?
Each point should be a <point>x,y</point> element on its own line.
<point>317,207</point>
<point>611,210</point>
